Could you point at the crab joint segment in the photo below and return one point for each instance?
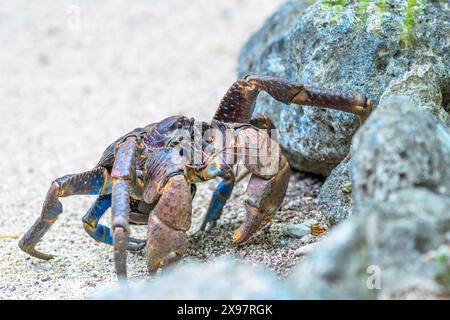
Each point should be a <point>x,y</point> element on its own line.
<point>291,92</point>
<point>353,102</point>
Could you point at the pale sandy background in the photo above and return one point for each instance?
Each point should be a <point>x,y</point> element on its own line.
<point>68,88</point>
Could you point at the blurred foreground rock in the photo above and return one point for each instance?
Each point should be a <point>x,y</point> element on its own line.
<point>380,251</point>
<point>339,48</point>
<point>222,278</point>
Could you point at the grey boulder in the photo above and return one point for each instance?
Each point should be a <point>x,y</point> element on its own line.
<point>400,146</point>
<point>319,46</point>
<point>381,252</point>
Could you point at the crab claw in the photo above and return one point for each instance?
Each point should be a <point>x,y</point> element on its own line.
<point>254,220</point>
<point>264,198</point>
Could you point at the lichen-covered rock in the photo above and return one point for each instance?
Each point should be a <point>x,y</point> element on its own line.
<point>400,146</point>
<point>380,253</point>
<point>276,27</point>
<point>339,48</point>
<point>222,278</point>
<point>335,197</point>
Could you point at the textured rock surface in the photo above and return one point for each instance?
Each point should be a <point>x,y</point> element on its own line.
<point>335,197</point>
<point>322,47</point>
<point>223,278</point>
<point>400,146</point>
<point>401,193</point>
<point>389,239</point>
<point>422,85</point>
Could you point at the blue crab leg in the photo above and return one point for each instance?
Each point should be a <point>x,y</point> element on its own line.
<point>95,181</point>
<point>102,233</point>
<point>220,196</point>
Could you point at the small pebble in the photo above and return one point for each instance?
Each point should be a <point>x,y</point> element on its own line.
<point>296,230</point>
<point>299,230</point>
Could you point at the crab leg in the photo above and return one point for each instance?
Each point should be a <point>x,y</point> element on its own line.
<point>238,103</point>
<point>220,196</point>
<point>90,182</point>
<point>102,233</point>
<point>123,176</point>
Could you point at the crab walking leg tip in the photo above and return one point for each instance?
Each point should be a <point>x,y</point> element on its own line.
<point>34,253</point>
<point>120,251</point>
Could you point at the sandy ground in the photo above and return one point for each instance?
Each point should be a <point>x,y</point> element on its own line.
<point>69,86</point>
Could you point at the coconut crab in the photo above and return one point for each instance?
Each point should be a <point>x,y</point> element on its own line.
<point>146,177</point>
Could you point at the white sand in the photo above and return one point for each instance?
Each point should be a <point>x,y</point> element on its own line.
<point>66,93</point>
